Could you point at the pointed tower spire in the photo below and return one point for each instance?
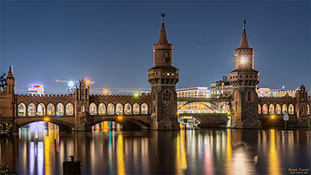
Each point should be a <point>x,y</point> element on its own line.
<point>10,73</point>
<point>163,37</point>
<point>244,41</point>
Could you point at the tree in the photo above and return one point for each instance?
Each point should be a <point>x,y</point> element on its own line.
<point>2,81</point>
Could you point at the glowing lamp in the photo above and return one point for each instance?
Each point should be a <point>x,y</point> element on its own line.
<point>177,113</point>
<point>47,119</point>
<point>136,95</point>
<point>243,60</point>
<point>120,117</point>
<point>88,82</point>
<point>228,113</point>
<point>272,116</point>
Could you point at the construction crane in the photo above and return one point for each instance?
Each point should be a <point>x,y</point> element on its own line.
<point>71,82</point>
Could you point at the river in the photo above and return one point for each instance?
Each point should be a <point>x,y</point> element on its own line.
<point>42,148</point>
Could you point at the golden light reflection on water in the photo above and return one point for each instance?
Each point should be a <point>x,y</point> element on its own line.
<point>273,156</point>
<point>181,159</point>
<point>144,152</point>
<point>229,152</point>
<point>121,168</point>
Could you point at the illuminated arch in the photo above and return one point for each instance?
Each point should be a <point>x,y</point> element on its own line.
<point>265,109</point>
<point>308,109</point>
<point>284,108</point>
<point>21,110</point>
<point>291,109</point>
<point>110,109</point>
<point>31,109</point>
<point>101,109</point>
<point>41,109</point>
<point>69,109</point>
<point>93,109</point>
<point>50,109</point>
<point>144,108</point>
<point>259,109</point>
<point>136,109</point>
<point>278,109</point>
<point>119,109</point>
<point>127,109</point>
<point>59,109</point>
<point>271,109</point>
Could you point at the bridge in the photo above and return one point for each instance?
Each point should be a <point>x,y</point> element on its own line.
<point>161,109</point>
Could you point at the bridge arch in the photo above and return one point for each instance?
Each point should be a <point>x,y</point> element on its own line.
<point>41,109</point>
<point>128,109</point>
<point>278,109</point>
<point>93,109</point>
<point>60,109</point>
<point>264,109</point>
<point>136,109</point>
<point>144,109</point>
<point>127,123</point>
<point>291,109</point>
<point>284,108</point>
<point>271,109</point>
<point>69,109</point>
<point>63,125</point>
<point>50,109</point>
<point>259,109</point>
<point>119,109</point>
<point>21,110</point>
<point>31,109</point>
<point>101,109</point>
<point>110,109</point>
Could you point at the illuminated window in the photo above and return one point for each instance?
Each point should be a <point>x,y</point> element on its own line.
<point>136,109</point>
<point>93,109</point>
<point>127,109</point>
<point>41,109</point>
<point>50,109</point>
<point>101,109</point>
<point>271,109</point>
<point>119,109</point>
<point>144,108</point>
<point>259,109</point>
<point>265,109</point>
<point>284,108</point>
<point>60,109</point>
<point>69,109</point>
<point>110,109</point>
<point>21,110</point>
<point>291,109</point>
<point>278,109</point>
<point>31,109</point>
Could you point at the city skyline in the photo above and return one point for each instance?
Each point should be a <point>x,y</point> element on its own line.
<point>124,40</point>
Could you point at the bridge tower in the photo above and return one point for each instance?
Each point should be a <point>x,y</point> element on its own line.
<point>82,120</point>
<point>301,103</point>
<point>163,77</point>
<point>7,98</point>
<point>244,79</point>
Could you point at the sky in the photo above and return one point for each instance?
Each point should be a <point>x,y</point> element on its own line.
<point>111,42</point>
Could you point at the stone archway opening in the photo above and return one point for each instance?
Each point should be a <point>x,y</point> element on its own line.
<point>107,126</point>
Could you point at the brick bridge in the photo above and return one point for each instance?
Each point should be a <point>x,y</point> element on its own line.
<point>158,110</point>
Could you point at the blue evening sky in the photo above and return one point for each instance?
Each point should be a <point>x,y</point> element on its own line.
<point>111,42</point>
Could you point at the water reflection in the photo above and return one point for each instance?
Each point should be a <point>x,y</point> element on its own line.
<point>36,151</point>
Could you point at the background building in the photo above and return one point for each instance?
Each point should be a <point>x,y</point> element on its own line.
<point>267,92</point>
<point>221,88</point>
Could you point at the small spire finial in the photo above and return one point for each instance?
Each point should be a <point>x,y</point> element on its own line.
<point>244,24</point>
<point>162,15</point>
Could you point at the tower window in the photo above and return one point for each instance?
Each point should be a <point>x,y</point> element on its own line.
<point>166,95</point>
<point>249,96</point>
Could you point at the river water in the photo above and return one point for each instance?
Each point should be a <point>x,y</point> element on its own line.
<point>42,148</point>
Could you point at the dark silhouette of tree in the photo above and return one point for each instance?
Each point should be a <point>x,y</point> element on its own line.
<point>2,81</point>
